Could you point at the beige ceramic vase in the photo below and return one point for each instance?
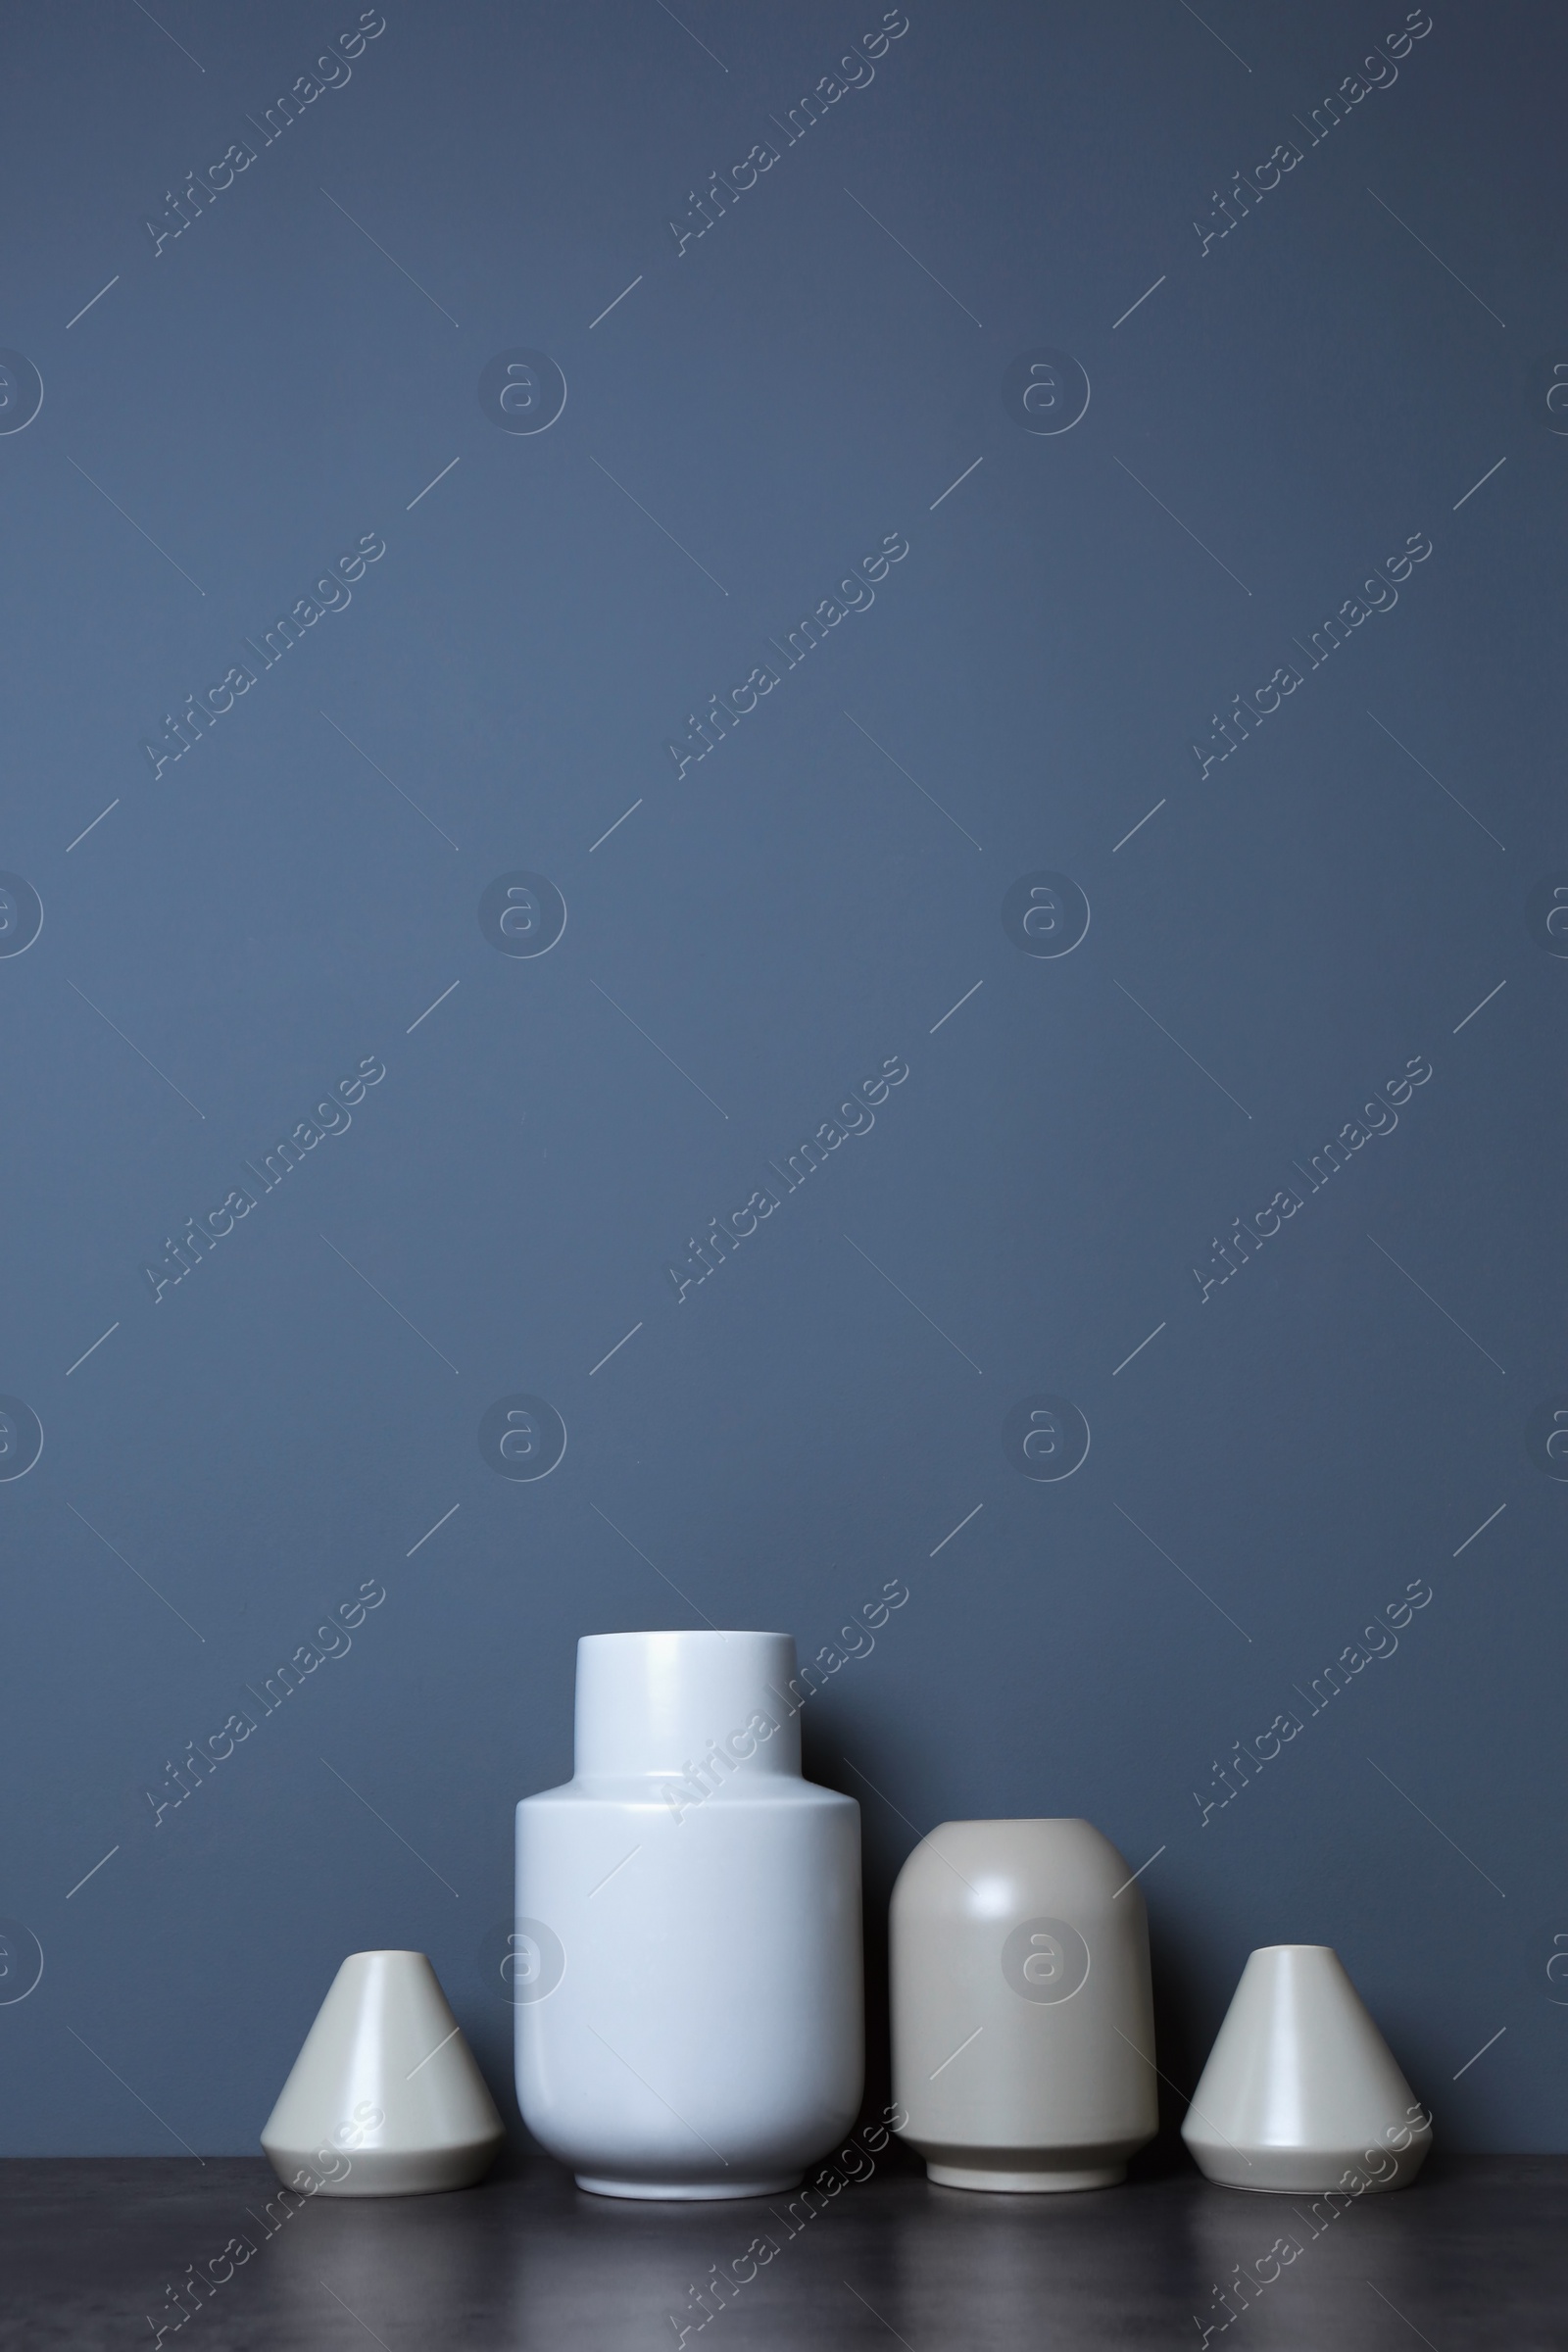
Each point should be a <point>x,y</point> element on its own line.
<point>1023,2028</point>
<point>384,2099</point>
<point>1301,2094</point>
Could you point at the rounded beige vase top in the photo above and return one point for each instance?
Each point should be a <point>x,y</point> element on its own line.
<point>1023,2026</point>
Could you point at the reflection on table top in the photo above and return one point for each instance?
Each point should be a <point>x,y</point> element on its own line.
<point>1472,2256</point>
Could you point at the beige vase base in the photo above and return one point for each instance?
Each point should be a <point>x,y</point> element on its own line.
<point>1024,2172</point>
<point>388,2172</point>
<point>1299,2173</point>
<point>688,2193</point>
<point>1029,2184</point>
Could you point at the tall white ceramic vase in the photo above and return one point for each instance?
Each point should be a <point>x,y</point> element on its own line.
<point>1301,2092</point>
<point>1023,2026</point>
<point>688,1932</point>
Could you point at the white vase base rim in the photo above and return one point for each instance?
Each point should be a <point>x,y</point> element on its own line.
<point>1035,2182</point>
<point>704,2192</point>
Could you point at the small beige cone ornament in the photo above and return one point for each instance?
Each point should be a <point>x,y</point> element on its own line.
<point>1300,2093</point>
<point>384,2099</point>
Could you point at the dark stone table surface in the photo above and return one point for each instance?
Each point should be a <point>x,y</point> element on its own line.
<point>1476,2254</point>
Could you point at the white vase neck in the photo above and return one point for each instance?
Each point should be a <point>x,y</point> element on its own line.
<point>657,1703</point>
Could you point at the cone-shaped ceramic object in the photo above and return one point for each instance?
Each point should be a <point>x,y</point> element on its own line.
<point>384,2100</point>
<point>1300,2093</point>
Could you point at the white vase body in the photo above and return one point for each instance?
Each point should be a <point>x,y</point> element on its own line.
<point>1301,2094</point>
<point>1023,2026</point>
<point>689,1999</point>
<point>384,2099</point>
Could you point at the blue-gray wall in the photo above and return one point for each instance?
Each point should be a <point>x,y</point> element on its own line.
<point>840,365</point>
